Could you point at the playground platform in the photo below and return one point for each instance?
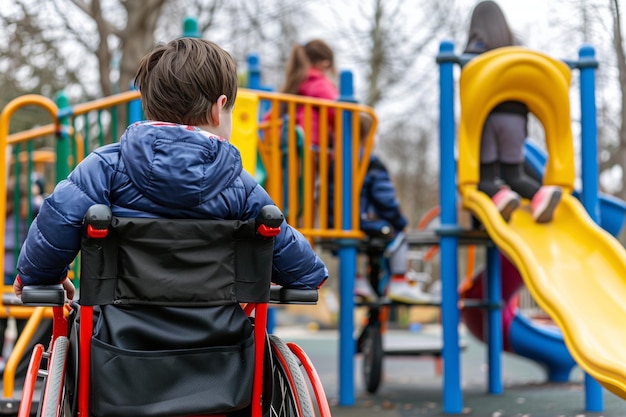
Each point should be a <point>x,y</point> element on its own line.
<point>411,386</point>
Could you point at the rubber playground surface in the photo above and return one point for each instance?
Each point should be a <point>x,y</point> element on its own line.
<point>411,386</point>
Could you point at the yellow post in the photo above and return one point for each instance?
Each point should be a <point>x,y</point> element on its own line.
<point>245,133</point>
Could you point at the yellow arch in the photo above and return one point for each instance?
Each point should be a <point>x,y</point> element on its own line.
<point>518,74</point>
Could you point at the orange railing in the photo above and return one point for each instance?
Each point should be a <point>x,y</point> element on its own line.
<point>300,176</point>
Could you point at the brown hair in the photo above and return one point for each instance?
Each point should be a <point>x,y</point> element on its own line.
<point>181,80</point>
<point>489,25</point>
<point>365,124</point>
<point>301,58</point>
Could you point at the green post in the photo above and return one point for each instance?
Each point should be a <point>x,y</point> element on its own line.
<point>190,28</point>
<point>63,164</point>
<point>16,204</point>
<point>63,136</point>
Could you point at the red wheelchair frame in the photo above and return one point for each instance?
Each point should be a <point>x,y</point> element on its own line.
<point>285,364</point>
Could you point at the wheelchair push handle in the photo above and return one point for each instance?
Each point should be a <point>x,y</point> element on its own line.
<point>97,221</point>
<point>268,221</point>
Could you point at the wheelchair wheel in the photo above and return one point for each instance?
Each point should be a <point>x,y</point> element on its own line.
<point>52,404</point>
<point>321,407</point>
<point>290,396</point>
<point>372,349</point>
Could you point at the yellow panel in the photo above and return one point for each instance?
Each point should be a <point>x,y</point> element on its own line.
<point>245,129</point>
<point>519,74</point>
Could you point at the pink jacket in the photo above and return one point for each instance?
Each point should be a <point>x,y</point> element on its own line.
<point>317,85</point>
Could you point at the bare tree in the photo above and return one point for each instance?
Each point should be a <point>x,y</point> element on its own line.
<point>268,29</point>
<point>29,63</point>
<point>599,23</point>
<point>109,37</point>
<point>619,156</point>
<point>88,35</point>
<point>129,29</point>
<point>392,47</point>
<point>411,153</point>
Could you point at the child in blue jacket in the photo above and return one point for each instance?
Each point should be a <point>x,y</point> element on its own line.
<point>178,164</point>
<point>381,215</point>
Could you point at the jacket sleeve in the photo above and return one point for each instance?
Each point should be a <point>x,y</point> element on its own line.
<point>53,240</point>
<point>322,88</point>
<point>295,264</point>
<point>382,196</point>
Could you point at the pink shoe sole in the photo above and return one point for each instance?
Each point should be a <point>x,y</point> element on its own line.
<point>508,209</point>
<point>507,201</point>
<point>543,211</point>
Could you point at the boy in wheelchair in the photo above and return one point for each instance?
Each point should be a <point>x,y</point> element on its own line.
<point>177,165</point>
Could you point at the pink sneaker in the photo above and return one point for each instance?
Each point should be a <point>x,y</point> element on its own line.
<point>506,201</point>
<point>544,202</point>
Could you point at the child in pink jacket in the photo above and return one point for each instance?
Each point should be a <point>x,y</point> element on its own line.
<point>310,72</point>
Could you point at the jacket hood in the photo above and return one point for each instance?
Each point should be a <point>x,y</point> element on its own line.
<point>177,165</point>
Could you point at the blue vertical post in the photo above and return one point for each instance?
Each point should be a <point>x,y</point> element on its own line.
<point>589,166</point>
<point>254,72</point>
<point>452,396</point>
<point>494,320</point>
<point>135,112</point>
<point>347,255</point>
<point>254,81</point>
<point>589,146</point>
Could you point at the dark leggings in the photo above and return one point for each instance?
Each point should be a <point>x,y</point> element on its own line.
<point>513,175</point>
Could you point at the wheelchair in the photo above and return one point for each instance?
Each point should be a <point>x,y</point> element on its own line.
<point>171,321</point>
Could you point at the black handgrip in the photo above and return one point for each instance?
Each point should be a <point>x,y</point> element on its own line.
<point>268,221</point>
<point>97,220</point>
<point>281,295</point>
<point>43,295</point>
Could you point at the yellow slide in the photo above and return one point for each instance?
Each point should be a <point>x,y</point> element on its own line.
<point>574,269</point>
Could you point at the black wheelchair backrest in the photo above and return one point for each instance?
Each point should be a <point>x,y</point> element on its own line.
<point>173,262</point>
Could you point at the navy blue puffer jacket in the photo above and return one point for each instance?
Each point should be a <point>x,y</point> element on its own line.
<point>379,203</point>
<point>158,170</point>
